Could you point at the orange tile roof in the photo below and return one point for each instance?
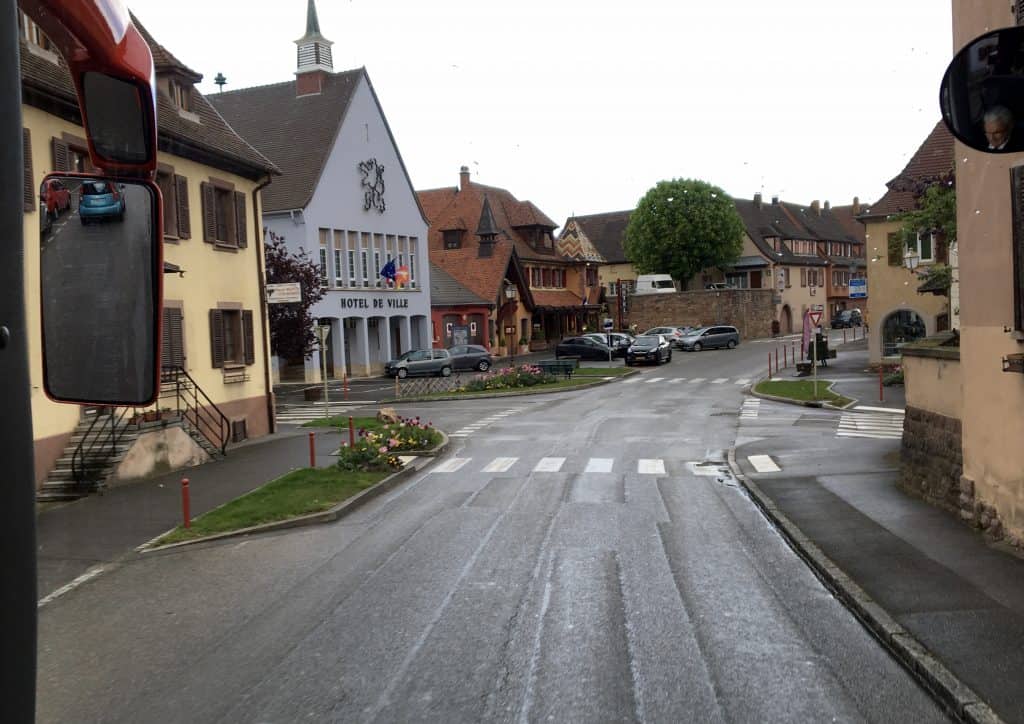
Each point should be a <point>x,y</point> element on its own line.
<point>932,162</point>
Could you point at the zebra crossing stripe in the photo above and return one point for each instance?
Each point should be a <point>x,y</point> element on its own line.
<point>654,379</point>
<point>695,380</point>
<point>451,465</point>
<point>631,381</point>
<point>742,382</point>
<point>763,463</point>
<point>599,465</point>
<point>648,466</point>
<point>676,380</point>
<point>549,465</point>
<point>500,465</point>
<point>720,380</point>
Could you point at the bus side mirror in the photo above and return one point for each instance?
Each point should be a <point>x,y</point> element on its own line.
<point>982,92</point>
<point>101,281</point>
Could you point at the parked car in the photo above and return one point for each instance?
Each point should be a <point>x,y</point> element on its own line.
<point>620,341</point>
<point>470,357</point>
<point>582,347</point>
<point>101,199</point>
<point>847,318</point>
<point>654,284</point>
<point>711,337</point>
<point>55,197</point>
<point>420,362</point>
<point>649,348</point>
<point>673,334</point>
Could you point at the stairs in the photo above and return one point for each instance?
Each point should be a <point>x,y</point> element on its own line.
<point>61,483</point>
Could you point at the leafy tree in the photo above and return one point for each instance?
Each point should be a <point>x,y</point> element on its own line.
<point>681,227</point>
<point>935,213</point>
<point>291,325</point>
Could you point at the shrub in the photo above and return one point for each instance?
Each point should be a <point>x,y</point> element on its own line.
<point>377,451</point>
<point>894,377</point>
<point>509,378</point>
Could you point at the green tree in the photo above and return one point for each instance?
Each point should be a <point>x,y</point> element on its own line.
<point>291,325</point>
<point>681,227</point>
<point>935,213</point>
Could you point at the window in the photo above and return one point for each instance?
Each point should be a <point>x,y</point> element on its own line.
<point>339,271</point>
<point>535,277</point>
<point>353,242</point>
<point>803,277</point>
<point>179,94</point>
<point>379,280</point>
<point>28,29</point>
<point>545,277</point>
<point>737,280</point>
<point>924,246</point>
<point>231,337</point>
<point>324,273</point>
<point>613,289</point>
<point>452,239</point>
<point>591,276</point>
<point>895,249</point>
<point>412,270</point>
<point>1017,188</point>
<point>174,189</point>
<point>71,154</point>
<point>786,272</point>
<point>224,218</point>
<point>364,264</point>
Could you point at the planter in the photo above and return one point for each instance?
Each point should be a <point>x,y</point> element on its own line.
<point>538,345</point>
<point>524,349</point>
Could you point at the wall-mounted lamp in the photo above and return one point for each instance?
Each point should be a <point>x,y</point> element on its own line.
<point>911,259</point>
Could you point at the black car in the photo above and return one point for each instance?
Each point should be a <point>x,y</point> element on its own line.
<point>620,341</point>
<point>847,318</point>
<point>582,347</point>
<point>653,348</point>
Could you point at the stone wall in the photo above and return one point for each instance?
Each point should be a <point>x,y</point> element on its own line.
<point>931,459</point>
<point>751,311</point>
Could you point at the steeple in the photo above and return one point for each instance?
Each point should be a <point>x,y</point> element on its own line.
<point>314,56</point>
<point>487,230</point>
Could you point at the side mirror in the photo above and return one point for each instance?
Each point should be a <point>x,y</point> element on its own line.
<point>101,279</point>
<point>982,92</point>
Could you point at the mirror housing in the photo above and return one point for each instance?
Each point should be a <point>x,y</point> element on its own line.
<point>101,280</point>
<point>982,92</point>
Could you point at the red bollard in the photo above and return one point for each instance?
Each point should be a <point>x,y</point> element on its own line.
<point>351,433</point>
<point>769,365</point>
<point>185,504</point>
<point>312,451</point>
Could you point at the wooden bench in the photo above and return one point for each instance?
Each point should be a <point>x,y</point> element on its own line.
<point>563,367</point>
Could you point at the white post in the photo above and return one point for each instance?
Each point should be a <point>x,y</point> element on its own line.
<point>321,334</point>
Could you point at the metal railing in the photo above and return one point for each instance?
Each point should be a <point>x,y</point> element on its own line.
<point>98,443</point>
<point>195,406</point>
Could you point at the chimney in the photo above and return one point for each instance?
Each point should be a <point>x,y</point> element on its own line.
<point>856,205</point>
<point>827,205</point>
<point>463,178</point>
<point>757,200</point>
<point>816,207</point>
<point>775,200</point>
<point>314,57</point>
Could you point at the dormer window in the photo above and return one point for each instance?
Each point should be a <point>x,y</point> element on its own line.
<point>179,94</point>
<point>453,239</point>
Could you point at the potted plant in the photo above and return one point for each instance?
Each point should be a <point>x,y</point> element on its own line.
<point>524,345</point>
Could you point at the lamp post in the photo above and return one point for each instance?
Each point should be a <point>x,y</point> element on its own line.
<point>911,259</point>
<point>322,331</point>
<point>511,294</point>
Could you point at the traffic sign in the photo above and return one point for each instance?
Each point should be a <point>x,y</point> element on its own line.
<point>815,318</point>
<point>858,288</point>
<point>287,293</point>
<point>608,324</point>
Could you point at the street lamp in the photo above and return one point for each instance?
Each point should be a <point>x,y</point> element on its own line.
<point>911,259</point>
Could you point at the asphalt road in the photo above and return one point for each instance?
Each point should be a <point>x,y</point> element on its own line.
<point>584,556</point>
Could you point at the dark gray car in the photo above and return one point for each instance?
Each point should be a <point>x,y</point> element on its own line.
<point>710,338</point>
<point>470,357</point>
<point>420,362</point>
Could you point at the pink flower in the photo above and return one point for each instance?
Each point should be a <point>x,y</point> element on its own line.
<point>393,442</point>
<point>382,450</point>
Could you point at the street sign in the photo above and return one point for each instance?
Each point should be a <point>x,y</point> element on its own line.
<point>817,307</point>
<point>287,293</point>
<point>815,318</point>
<point>608,324</point>
<point>858,288</point>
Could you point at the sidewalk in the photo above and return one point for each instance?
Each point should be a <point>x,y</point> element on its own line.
<point>946,601</point>
<point>101,529</point>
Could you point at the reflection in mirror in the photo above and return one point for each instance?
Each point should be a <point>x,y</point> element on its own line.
<point>115,118</point>
<point>100,290</point>
<point>982,93</point>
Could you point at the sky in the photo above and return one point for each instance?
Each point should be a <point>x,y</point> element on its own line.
<point>581,106</point>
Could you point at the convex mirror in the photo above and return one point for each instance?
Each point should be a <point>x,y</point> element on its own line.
<point>982,92</point>
<point>100,274</point>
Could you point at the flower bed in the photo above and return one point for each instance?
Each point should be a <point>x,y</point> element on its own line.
<point>378,450</point>
<point>508,378</point>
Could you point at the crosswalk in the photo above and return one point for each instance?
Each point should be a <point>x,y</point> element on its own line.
<point>645,380</point>
<point>871,424</point>
<point>307,412</point>
<point>469,429</point>
<point>640,466</point>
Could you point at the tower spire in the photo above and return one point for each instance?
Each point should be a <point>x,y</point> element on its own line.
<point>314,55</point>
<point>312,21</point>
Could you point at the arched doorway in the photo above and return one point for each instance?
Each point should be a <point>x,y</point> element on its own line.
<point>899,328</point>
<point>786,319</point>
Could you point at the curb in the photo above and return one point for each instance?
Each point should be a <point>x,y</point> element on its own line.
<point>327,516</point>
<point>944,686</point>
<point>801,403</point>
<point>520,393</point>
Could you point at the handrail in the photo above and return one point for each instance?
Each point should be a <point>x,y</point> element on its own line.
<point>195,406</point>
<point>96,443</point>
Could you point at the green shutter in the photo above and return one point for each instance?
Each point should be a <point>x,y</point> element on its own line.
<point>217,337</point>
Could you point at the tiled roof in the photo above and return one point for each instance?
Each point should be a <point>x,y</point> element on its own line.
<point>607,232</point>
<point>455,208</point>
<point>560,298</point>
<point>445,291</point>
<point>847,216</point>
<point>296,133</point>
<point>163,59</point>
<point>821,224</point>
<point>933,161</point>
<point>765,219</point>
<point>210,139</point>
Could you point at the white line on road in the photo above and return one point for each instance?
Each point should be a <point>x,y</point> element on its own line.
<point>67,588</point>
<point>881,409</point>
<point>499,465</point>
<point>632,381</point>
<point>648,466</point>
<point>695,380</point>
<point>676,380</point>
<point>599,465</point>
<point>763,463</point>
<point>742,382</point>
<point>549,465</point>
<point>720,380</point>
<point>654,379</point>
<point>450,466</point>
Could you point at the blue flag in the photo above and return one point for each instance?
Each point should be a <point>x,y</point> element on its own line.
<point>388,272</point>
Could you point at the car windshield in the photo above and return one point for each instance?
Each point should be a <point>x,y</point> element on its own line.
<point>647,341</point>
<point>95,188</point>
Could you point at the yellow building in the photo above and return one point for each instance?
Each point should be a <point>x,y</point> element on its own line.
<point>214,331</point>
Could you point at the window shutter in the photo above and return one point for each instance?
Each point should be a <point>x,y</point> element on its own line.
<point>61,156</point>
<point>217,337</point>
<point>30,187</point>
<point>1019,12</point>
<point>803,277</point>
<point>172,353</point>
<point>181,204</point>
<point>240,222</point>
<point>1017,185</point>
<point>209,212</point>
<point>895,249</point>
<point>247,337</point>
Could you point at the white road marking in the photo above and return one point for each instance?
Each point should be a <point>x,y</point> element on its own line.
<point>406,459</point>
<point>720,380</point>
<point>632,380</point>
<point>890,410</point>
<point>499,465</point>
<point>549,465</point>
<point>654,379</point>
<point>676,380</point>
<point>451,465</point>
<point>599,465</point>
<point>763,463</point>
<point>695,380</point>
<point>649,466</point>
<point>742,382</point>
<point>67,588</point>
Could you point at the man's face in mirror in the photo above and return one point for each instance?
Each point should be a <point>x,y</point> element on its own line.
<point>997,131</point>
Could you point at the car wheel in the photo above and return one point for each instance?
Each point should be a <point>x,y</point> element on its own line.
<point>446,372</point>
<point>698,347</point>
<point>483,365</point>
<point>402,373</point>
<point>732,344</point>
<point>669,357</point>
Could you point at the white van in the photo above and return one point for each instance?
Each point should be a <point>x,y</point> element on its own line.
<point>654,284</point>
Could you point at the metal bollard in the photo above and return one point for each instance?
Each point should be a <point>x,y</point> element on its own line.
<point>312,451</point>
<point>185,512</point>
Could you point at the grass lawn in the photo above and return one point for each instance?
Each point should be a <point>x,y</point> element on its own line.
<point>303,491</point>
<point>802,390</point>
<point>367,423</point>
<point>601,371</point>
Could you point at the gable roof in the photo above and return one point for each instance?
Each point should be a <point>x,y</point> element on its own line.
<point>211,141</point>
<point>446,291</point>
<point>933,161</point>
<point>607,233</point>
<point>298,132</point>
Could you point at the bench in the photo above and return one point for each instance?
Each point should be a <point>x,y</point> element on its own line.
<point>563,367</point>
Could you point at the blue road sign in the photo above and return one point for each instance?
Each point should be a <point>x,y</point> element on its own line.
<point>858,288</point>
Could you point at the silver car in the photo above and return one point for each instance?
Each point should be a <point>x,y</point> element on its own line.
<point>420,362</point>
<point>710,338</point>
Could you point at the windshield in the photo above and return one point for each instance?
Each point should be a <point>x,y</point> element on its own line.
<point>95,188</point>
<point>647,341</point>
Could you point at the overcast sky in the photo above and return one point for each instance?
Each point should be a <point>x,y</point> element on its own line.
<point>582,105</point>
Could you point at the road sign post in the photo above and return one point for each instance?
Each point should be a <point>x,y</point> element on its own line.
<point>322,331</point>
